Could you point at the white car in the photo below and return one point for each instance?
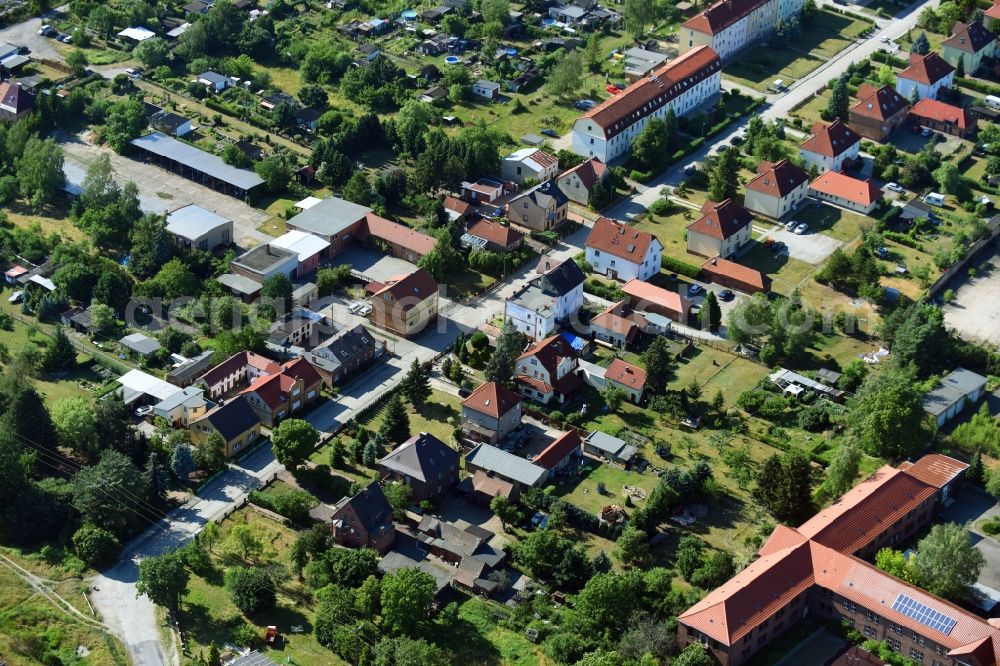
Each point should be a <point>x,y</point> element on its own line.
<point>926,131</point>
<point>790,225</point>
<point>16,297</point>
<point>884,40</point>
<point>801,229</point>
<point>44,30</point>
<point>895,187</point>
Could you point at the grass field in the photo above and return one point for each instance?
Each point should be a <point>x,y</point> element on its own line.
<point>48,221</point>
<point>477,638</point>
<point>786,273</point>
<point>837,222</point>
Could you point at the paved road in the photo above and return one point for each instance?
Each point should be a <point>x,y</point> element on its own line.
<point>778,106</point>
<point>25,34</point>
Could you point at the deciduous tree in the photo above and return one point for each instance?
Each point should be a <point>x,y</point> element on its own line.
<point>947,564</point>
<point>406,597</point>
<point>163,579</point>
<point>293,440</point>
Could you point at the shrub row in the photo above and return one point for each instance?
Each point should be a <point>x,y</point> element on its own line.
<point>903,239</point>
<point>885,58</point>
<point>978,86</point>
<point>292,504</point>
<point>680,267</point>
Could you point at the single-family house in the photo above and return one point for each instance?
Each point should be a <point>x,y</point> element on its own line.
<point>578,183</point>
<point>878,113</point>
<point>497,463</point>
<point>927,75</point>
<point>344,354</point>
<point>736,276</point>
<point>627,377</point>
<point>364,520</point>
<point>969,44</point>
<point>16,102</point>
<point>541,208</point>
<point>723,230</point>
<point>183,407</point>
<point>943,117</point>
<point>306,246</point>
<point>171,124</point>
<point>560,457</point>
<point>607,447</point>
<point>214,81</point>
<point>568,14</point>
<point>234,420</point>
<point>490,413</point>
<point>621,252</point>
<point>494,236</point>
<point>830,147</point>
<point>953,393</point>
<point>529,164</point>
<point>546,371</point>
<point>424,463</point>
<point>621,326</point>
<point>457,209</point>
<point>861,196</point>
<point>486,89</point>
<point>406,304</point>
<point>777,189</point>
<point>194,228</point>
<point>277,396</point>
<point>484,191</point>
<point>264,261</point>
<point>546,300</point>
<point>648,298</point>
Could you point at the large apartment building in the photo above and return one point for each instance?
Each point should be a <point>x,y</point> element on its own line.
<point>820,569</point>
<point>729,26</point>
<point>691,80</point>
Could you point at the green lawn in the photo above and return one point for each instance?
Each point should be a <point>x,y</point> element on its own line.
<point>716,370</point>
<point>477,638</point>
<point>841,224</point>
<point>583,490</point>
<point>786,273</point>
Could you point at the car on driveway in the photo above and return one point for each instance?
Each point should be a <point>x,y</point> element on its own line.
<point>926,131</point>
<point>694,289</point>
<point>726,295</point>
<point>550,132</point>
<point>790,225</point>
<point>801,229</point>
<point>895,187</point>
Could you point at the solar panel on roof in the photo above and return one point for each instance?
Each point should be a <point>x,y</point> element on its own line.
<point>924,615</point>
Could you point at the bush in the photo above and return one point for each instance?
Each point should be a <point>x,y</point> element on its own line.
<point>680,267</point>
<point>903,239</point>
<point>95,545</point>
<point>992,526</point>
<point>660,207</point>
<point>290,503</point>
<point>252,589</point>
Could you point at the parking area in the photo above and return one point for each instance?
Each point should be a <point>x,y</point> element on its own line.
<point>372,264</point>
<point>974,312</point>
<point>810,247</point>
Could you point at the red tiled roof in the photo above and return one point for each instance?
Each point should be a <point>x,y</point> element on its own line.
<point>621,240</point>
<point>779,179</point>
<point>970,37</point>
<point>722,220</point>
<point>942,113</point>
<point>588,171</point>
<point>645,96</point>
<point>718,266</point>
<point>880,104</point>
<point>610,320</point>
<point>935,469</point>
<point>836,184</point>
<point>412,288</point>
<point>16,98</point>
<point>926,69</point>
<point>496,233</point>
<point>272,389</point>
<point>457,205</point>
<point>492,399</point>
<point>721,15</point>
<point>302,369</point>
<point>491,485</point>
<point>639,290</point>
<point>555,452</point>
<point>994,11</point>
<point>543,159</point>
<point>396,234</point>
<point>626,374</point>
<point>237,361</point>
<point>830,140</point>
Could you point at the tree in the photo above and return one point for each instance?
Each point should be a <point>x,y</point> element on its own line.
<point>638,14</point>
<point>77,60</point>
<point>209,535</point>
<point>329,280</point>
<point>405,651</point>
<point>114,290</point>
<point>251,589</point>
<point>182,462</point>
<point>694,654</point>
<point>163,579</point>
<point>723,180</point>
<point>370,454</point>
<point>358,189</point>
<point>886,76</point>
<point>659,363</point>
<point>500,366</point>
<point>886,413</point>
<point>152,52</point>
<point>406,597</point>
<point>39,171</point>
<point>505,510</point>
<point>125,121</point>
<point>601,601</point>
<point>293,440</point>
<point>947,564</point>
<point>60,356</point>
<point>894,562</point>
<point>566,77</point>
<point>337,454</point>
<point>173,280</point>
<point>416,384</point>
<point>97,491</point>
<point>94,545</point>
<point>314,97</point>
<point>749,319</point>
<point>76,422</point>
<point>950,179</point>
<point>244,540</point>
<point>633,547</point>
<point>651,146</point>
<point>276,170</point>
<point>396,423</point>
<point>614,396</point>
<point>210,453</point>
<point>921,45</point>
<point>276,291</point>
<point>842,471</point>
<point>840,99</point>
<point>784,485</point>
<point>592,54</point>
<point>399,495</point>
<point>712,313</point>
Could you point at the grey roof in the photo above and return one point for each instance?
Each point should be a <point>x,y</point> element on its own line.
<point>233,418</point>
<point>545,194</point>
<point>371,506</point>
<point>8,49</point>
<point>192,222</point>
<point>964,380</point>
<point>264,258</point>
<point>828,376</point>
<point>423,457</point>
<point>533,298</point>
<point>198,160</point>
<point>214,78</point>
<point>572,11</point>
<point>605,442</point>
<point>489,85</point>
<point>167,119</point>
<point>346,344</point>
<point>192,396</point>
<point>562,279</point>
<point>533,139</point>
<point>505,465</point>
<point>941,399</point>
<point>461,542</point>
<point>395,560</point>
<point>140,344</point>
<point>238,283</point>
<point>329,217</point>
<point>194,367</point>
<point>14,62</point>
<point>253,659</point>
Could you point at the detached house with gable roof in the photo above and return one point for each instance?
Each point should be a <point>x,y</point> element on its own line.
<point>878,113</point>
<point>578,183</point>
<point>424,463</point>
<point>364,521</point>
<point>490,413</point>
<point>406,304</point>
<point>15,102</point>
<point>942,117</point>
<point>830,147</point>
<point>969,44</point>
<point>629,378</point>
<point>560,455</point>
<point>840,189</point>
<point>541,208</point>
<point>552,297</point>
<point>927,74</point>
<point>546,371</point>
<point>690,81</point>
<point>529,163</point>
<point>722,231</point>
<point>235,421</point>
<point>777,190</point>
<point>278,396</point>
<point>621,252</point>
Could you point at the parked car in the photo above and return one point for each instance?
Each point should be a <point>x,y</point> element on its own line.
<point>144,410</point>
<point>790,225</point>
<point>690,169</point>
<point>464,392</point>
<point>550,132</point>
<point>882,252</point>
<point>801,229</point>
<point>586,104</point>
<point>777,247</point>
<point>926,131</point>
<point>694,289</point>
<point>45,30</point>
<point>726,295</point>
<point>16,297</point>
<point>895,187</point>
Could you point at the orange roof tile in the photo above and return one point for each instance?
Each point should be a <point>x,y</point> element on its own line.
<point>397,234</point>
<point>830,140</point>
<point>621,240</point>
<point>935,469</point>
<point>626,374</point>
<point>556,452</point>
<point>927,69</point>
<point>717,266</point>
<point>496,233</point>
<point>932,109</point>
<point>878,104</point>
<point>836,184</point>
<point>492,399</point>
<point>722,220</point>
<point>640,291</point>
<point>779,179</point>
<point>412,288</point>
<point>588,171</point>
<point>721,15</point>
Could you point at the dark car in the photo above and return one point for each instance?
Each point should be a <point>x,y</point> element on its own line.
<point>550,132</point>
<point>464,392</point>
<point>726,295</point>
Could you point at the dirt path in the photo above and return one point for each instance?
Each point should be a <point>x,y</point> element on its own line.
<point>40,585</point>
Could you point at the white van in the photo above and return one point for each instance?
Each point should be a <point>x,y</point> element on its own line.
<point>992,101</point>
<point>934,199</point>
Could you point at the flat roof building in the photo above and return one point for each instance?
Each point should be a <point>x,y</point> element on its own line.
<point>197,165</point>
<point>263,261</point>
<point>193,227</point>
